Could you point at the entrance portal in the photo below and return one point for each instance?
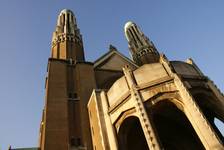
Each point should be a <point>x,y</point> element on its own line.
<point>174,129</point>
<point>131,135</point>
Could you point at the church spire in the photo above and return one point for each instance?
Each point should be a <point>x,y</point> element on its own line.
<point>142,49</point>
<point>67,40</point>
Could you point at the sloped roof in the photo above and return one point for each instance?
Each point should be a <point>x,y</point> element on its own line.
<point>113,60</point>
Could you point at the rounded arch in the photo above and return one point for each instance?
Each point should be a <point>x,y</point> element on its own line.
<point>172,97</point>
<point>173,127</point>
<point>131,135</point>
<point>123,115</point>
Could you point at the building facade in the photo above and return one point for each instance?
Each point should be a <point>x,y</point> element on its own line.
<point>161,104</point>
<point>116,103</point>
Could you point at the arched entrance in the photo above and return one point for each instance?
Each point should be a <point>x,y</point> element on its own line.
<point>173,128</point>
<point>131,135</point>
<point>209,108</point>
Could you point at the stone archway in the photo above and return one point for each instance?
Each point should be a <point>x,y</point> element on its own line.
<point>209,108</point>
<point>131,136</point>
<point>173,128</point>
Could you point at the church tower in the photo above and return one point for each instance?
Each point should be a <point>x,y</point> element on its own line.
<point>65,123</point>
<point>115,103</point>
<point>67,40</point>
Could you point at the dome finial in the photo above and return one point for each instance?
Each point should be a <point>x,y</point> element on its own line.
<point>67,21</point>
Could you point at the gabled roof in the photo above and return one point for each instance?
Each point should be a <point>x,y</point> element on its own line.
<point>113,60</point>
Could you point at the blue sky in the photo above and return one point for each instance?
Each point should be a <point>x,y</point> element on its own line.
<point>180,29</point>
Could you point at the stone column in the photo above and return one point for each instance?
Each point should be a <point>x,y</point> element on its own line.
<point>110,128</point>
<point>202,127</point>
<point>148,130</point>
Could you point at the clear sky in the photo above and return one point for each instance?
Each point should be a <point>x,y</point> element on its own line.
<point>180,29</point>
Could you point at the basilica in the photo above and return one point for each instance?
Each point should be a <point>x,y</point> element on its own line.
<point>115,103</point>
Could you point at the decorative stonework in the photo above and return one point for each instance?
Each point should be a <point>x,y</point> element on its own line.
<point>142,49</point>
<point>193,112</point>
<point>66,37</point>
<point>66,29</point>
<point>195,115</point>
<point>142,114</point>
